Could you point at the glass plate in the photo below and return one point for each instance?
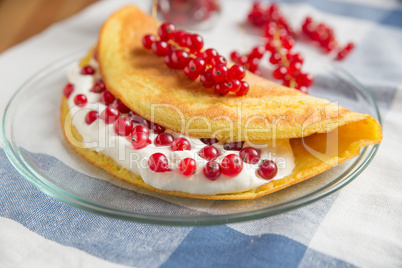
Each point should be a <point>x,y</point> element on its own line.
<point>34,143</point>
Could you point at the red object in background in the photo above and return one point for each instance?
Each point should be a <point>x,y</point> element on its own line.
<point>188,13</point>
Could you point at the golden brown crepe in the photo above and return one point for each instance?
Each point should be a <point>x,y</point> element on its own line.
<point>268,112</point>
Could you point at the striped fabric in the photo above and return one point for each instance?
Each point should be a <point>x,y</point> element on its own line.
<point>359,225</point>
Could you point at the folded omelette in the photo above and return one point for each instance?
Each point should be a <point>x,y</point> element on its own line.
<point>321,134</point>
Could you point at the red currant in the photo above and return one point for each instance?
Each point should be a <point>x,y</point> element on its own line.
<point>208,54</point>
<point>140,120</point>
<point>330,45</point>
<point>179,59</point>
<point>221,88</point>
<point>158,129</point>
<point>207,79</point>
<point>180,144</point>
<point>244,88</point>
<point>80,100</point>
<point>179,37</point>
<point>160,48</point>
<point>243,60</point>
<point>270,30</point>
<point>191,75</point>
<point>294,68</point>
<point>166,31</point>
<point>257,52</point>
<point>164,139</point>
<point>158,162</point>
<point>168,60</point>
<point>209,141</point>
<point>237,72</point>
<point>286,80</point>
<point>231,165</point>
<point>219,73</point>
<point>233,146</point>
<point>216,60</point>
<point>267,169</point>
<point>297,57</point>
<point>187,166</point>
<point>304,79</point>
<point>106,98</point>
<point>148,40</point>
<point>275,58</point>
<point>234,85</point>
<point>235,56</point>
<point>287,42</point>
<point>123,126</point>
<point>279,72</point>
<point>212,170</point>
<point>209,153</point>
<point>271,45</point>
<point>250,155</point>
<point>139,140</point>
<point>110,114</point>
<point>98,87</point>
<point>197,65</point>
<point>121,106</point>
<point>345,51</point>
<point>68,89</point>
<point>194,42</point>
<point>253,64</point>
<point>91,117</point>
<point>87,70</point>
<point>141,128</point>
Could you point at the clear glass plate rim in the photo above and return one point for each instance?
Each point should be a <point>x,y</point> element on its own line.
<point>17,160</point>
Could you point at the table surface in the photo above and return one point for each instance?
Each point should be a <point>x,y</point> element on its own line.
<point>33,17</point>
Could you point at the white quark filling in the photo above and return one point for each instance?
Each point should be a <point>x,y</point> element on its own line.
<point>101,138</point>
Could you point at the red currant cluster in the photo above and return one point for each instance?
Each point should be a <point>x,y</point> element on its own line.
<point>183,50</point>
<point>137,129</point>
<point>231,165</point>
<point>261,16</point>
<point>279,43</point>
<point>182,12</point>
<point>324,36</point>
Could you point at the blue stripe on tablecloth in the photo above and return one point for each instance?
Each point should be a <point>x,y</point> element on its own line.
<point>230,248</point>
<point>359,11</point>
<point>110,239</point>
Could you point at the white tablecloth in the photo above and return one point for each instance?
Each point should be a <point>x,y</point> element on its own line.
<point>359,225</point>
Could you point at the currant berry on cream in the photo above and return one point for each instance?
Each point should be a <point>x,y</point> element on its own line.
<point>91,117</point>
<point>212,170</point>
<point>110,114</point>
<point>164,139</point>
<point>267,169</point>
<point>158,162</point>
<point>231,165</point>
<point>68,89</point>
<point>80,100</point>
<point>139,140</point>
<point>187,166</point>
<point>180,144</point>
<point>209,153</point>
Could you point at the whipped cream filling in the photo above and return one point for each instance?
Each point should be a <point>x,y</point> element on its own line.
<point>102,138</point>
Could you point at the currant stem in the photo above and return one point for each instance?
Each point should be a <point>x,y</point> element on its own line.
<point>278,48</point>
<point>154,8</point>
<point>285,62</point>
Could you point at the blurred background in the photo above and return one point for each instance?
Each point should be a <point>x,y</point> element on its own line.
<point>21,19</point>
